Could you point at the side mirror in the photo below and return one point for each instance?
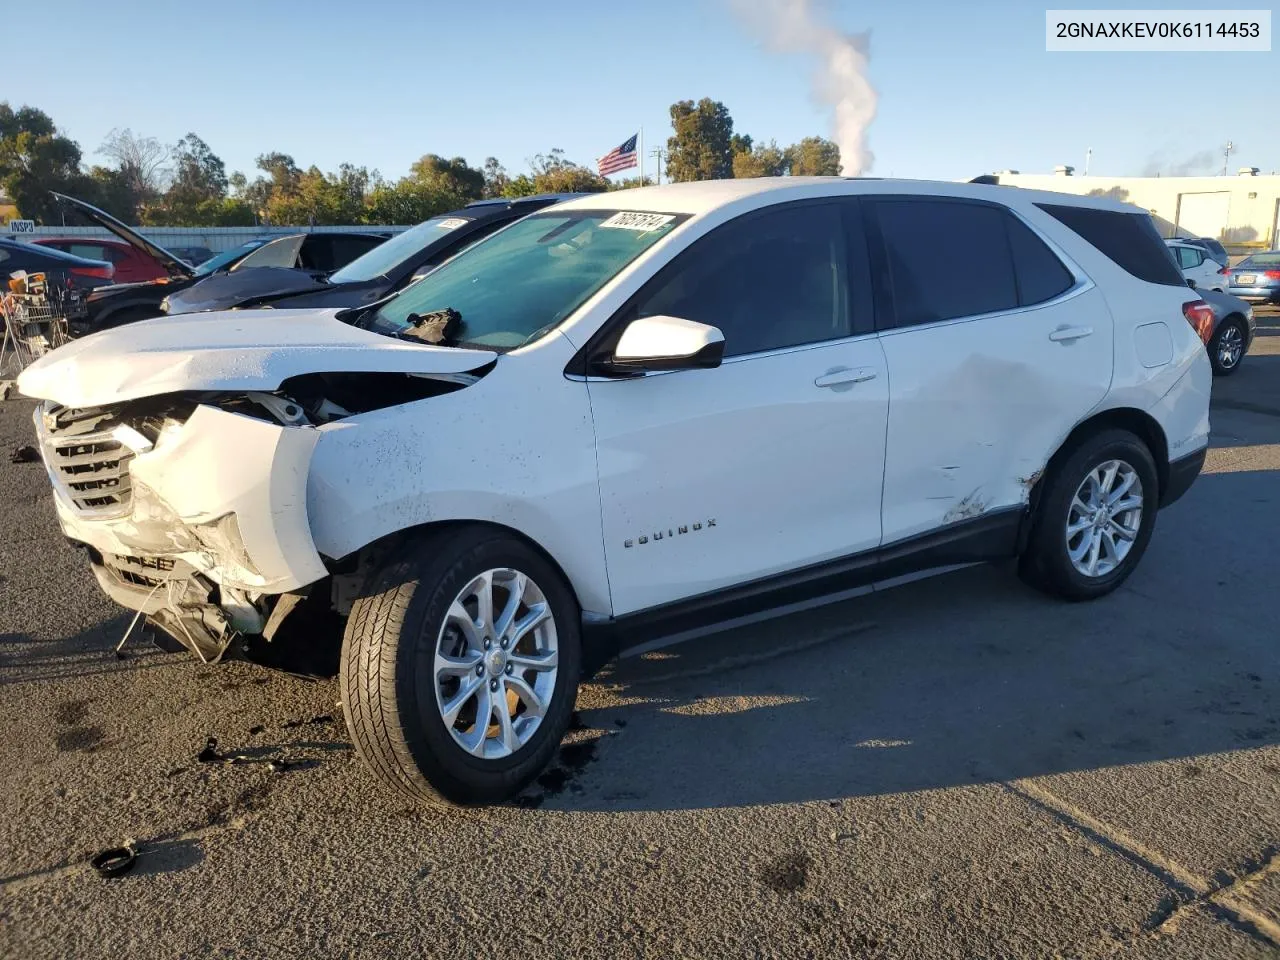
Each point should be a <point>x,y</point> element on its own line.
<point>1190,282</point>
<point>665,343</point>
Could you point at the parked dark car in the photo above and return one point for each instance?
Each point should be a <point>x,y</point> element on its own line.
<point>1215,250</point>
<point>193,255</point>
<point>1256,278</point>
<point>381,271</point>
<point>65,269</point>
<point>111,306</point>
<point>131,265</point>
<point>1233,328</point>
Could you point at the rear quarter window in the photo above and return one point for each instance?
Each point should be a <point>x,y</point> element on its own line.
<point>1128,240</point>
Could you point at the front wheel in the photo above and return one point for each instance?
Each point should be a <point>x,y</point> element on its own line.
<point>1094,519</point>
<point>460,667</point>
<point>1226,348</point>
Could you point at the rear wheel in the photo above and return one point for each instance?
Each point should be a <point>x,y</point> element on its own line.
<point>460,667</point>
<point>1227,346</point>
<point>1094,518</point>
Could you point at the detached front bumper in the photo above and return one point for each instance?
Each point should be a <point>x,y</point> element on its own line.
<point>221,497</point>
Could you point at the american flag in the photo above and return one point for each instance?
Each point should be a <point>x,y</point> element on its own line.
<point>619,158</point>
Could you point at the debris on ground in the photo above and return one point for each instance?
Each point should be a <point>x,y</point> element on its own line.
<point>279,766</point>
<point>24,454</point>
<point>115,861</point>
<point>210,754</point>
<point>256,729</point>
<point>8,388</point>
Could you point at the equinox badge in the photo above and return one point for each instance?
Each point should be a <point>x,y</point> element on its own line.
<point>674,532</point>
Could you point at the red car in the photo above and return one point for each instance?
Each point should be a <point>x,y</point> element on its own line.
<point>132,266</point>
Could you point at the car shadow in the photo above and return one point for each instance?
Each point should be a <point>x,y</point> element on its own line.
<point>961,679</point>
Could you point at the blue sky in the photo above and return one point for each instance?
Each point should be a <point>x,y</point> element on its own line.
<point>964,89</point>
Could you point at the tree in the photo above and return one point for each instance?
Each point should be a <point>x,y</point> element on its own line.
<point>409,200</point>
<point>34,159</point>
<point>702,146</point>
<point>814,157</point>
<point>140,162</point>
<point>197,189</point>
<point>322,198</point>
<point>552,173</point>
<point>453,177</point>
<point>495,178</point>
<point>630,183</point>
<point>765,160</point>
<point>115,192</point>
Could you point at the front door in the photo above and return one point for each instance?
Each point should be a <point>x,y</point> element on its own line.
<point>773,461</point>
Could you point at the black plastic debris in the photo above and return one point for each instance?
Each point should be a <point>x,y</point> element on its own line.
<point>256,729</point>
<point>279,766</point>
<point>24,454</point>
<point>210,754</point>
<point>115,861</point>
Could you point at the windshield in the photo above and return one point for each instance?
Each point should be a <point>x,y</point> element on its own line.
<point>382,258</point>
<point>278,253</point>
<point>227,256</point>
<point>526,279</point>
<point>1261,261</point>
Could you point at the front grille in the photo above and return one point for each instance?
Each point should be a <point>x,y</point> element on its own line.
<point>90,470</point>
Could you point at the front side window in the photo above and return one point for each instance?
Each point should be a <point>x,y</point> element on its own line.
<point>525,280</point>
<point>946,259</point>
<point>766,281</point>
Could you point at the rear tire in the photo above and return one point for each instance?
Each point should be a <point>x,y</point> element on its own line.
<point>424,664</point>
<point>1227,347</point>
<point>1094,519</point>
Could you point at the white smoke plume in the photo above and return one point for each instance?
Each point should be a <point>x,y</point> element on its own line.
<point>840,78</point>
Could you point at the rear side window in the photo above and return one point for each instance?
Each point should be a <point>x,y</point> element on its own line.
<point>946,259</point>
<point>1189,257</point>
<point>1128,240</point>
<point>1041,275</point>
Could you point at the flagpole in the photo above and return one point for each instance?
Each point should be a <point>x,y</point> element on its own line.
<point>640,151</point>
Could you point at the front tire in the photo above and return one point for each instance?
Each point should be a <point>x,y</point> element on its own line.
<point>1094,519</point>
<point>1227,347</point>
<point>460,667</point>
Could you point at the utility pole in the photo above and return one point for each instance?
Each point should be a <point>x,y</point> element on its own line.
<point>660,154</point>
<point>1226,156</point>
<point>1088,155</point>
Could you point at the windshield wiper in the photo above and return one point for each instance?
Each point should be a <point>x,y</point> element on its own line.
<point>437,327</point>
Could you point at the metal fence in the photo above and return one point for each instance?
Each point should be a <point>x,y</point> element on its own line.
<point>216,239</point>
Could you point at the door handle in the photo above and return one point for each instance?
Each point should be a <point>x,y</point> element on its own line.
<point>845,375</point>
<point>1068,334</point>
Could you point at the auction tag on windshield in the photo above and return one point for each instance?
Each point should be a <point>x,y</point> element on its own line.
<point>452,223</point>
<point>629,220</point>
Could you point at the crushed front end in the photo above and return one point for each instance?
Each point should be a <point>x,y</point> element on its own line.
<point>192,508</point>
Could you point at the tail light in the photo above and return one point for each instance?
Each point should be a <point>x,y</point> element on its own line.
<point>1200,316</point>
<point>1271,274</point>
<point>1224,271</point>
<point>104,272</point>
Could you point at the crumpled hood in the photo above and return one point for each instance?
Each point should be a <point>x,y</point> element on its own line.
<point>242,287</point>
<point>231,350</point>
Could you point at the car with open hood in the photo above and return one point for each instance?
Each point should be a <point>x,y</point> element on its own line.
<point>121,303</point>
<point>378,273</point>
<point>631,418</point>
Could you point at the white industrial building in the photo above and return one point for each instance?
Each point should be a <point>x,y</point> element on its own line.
<point>1242,211</point>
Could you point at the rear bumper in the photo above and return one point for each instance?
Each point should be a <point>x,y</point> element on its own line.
<point>1182,474</point>
<point>1256,294</point>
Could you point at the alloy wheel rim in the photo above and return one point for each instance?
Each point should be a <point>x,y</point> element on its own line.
<point>496,660</point>
<point>1104,518</point>
<point>1230,347</point>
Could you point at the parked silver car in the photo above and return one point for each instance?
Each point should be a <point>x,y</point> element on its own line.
<point>1232,330</point>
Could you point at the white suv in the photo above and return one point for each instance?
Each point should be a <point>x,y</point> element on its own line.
<point>634,415</point>
<point>1196,264</point>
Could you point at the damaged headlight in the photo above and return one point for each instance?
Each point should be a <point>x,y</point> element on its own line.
<point>222,538</point>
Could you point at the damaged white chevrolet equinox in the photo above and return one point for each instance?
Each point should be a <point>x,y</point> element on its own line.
<point>633,415</point>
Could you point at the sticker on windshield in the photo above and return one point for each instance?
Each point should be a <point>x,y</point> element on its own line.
<point>629,220</point>
<point>452,223</point>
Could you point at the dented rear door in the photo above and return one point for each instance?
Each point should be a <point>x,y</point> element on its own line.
<point>996,345</point>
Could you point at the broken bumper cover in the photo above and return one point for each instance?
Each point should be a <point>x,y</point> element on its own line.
<point>223,493</point>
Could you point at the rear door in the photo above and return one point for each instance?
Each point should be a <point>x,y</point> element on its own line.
<point>995,347</point>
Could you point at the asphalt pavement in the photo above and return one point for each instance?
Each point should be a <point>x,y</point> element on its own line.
<point>957,767</point>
